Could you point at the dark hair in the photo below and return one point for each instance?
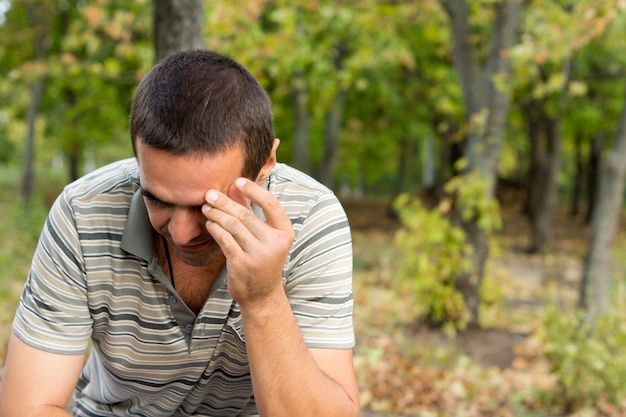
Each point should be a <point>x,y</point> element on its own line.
<point>200,102</point>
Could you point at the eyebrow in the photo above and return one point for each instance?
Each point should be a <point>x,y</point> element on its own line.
<point>157,200</point>
<point>151,196</point>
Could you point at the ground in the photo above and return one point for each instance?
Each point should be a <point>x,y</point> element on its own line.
<point>386,329</point>
<point>490,347</point>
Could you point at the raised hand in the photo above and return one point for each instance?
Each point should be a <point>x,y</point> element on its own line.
<point>255,250</point>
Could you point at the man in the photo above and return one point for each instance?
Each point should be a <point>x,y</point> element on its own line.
<point>205,278</point>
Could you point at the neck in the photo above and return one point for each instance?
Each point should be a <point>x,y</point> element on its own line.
<point>177,270</point>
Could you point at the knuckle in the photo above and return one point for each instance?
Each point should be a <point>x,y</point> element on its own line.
<point>274,205</point>
<point>232,224</point>
<point>246,216</point>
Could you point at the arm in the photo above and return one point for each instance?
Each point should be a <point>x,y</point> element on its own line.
<point>52,324</point>
<point>288,378</point>
<point>37,383</point>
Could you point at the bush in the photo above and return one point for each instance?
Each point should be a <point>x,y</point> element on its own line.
<point>435,253</point>
<point>588,360</point>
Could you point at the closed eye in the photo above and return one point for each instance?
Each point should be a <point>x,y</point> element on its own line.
<point>152,199</point>
<point>155,201</point>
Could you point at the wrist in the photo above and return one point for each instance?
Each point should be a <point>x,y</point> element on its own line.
<point>265,306</point>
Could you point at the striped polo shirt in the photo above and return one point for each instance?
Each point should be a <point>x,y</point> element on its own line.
<point>95,285</point>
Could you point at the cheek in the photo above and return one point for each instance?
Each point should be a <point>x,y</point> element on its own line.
<point>159,218</point>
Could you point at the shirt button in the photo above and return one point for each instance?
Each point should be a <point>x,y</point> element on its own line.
<point>188,327</point>
<point>172,299</point>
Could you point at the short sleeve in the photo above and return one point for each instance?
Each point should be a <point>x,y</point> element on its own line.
<point>53,313</point>
<point>319,274</point>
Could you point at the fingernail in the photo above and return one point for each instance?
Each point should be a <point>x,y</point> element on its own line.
<point>240,182</point>
<point>211,195</point>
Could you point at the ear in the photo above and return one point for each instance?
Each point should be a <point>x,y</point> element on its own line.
<point>269,165</point>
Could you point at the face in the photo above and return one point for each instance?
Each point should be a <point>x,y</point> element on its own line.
<point>174,187</point>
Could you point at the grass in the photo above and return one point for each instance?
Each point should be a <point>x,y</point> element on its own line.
<point>17,243</point>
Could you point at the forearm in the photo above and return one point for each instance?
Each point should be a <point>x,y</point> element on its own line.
<point>37,383</point>
<point>20,410</point>
<point>285,377</point>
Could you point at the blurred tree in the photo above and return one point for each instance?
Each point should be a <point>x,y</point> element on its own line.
<point>313,57</point>
<point>596,282</point>
<point>606,62</point>
<point>483,66</point>
<point>177,26</point>
<point>404,113</point>
<point>549,78</point>
<point>39,21</point>
<point>94,56</point>
<point>98,54</point>
<point>598,69</point>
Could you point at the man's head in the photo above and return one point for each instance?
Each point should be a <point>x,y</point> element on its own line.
<point>196,103</point>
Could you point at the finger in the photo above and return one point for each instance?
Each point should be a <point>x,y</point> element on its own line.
<point>239,221</point>
<point>272,209</point>
<point>235,195</point>
<point>230,246</point>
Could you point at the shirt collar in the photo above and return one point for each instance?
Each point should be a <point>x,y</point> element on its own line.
<point>138,237</point>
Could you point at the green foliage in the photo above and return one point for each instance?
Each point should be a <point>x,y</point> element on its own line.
<point>7,148</point>
<point>396,69</point>
<point>588,361</point>
<point>472,201</point>
<point>435,253</point>
<point>391,60</point>
<point>436,250</point>
<point>20,231</point>
<point>94,54</point>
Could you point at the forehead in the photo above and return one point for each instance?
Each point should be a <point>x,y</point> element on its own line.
<point>184,179</point>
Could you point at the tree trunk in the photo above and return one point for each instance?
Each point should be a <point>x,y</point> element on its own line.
<point>482,97</point>
<point>334,117</point>
<point>300,154</point>
<point>38,24</point>
<point>593,175</point>
<point>535,165</point>
<point>28,167</point>
<point>409,151</point>
<point>73,155</point>
<point>543,220</point>
<point>428,156</point>
<point>401,167</point>
<point>578,176</point>
<point>451,152</point>
<point>596,283</point>
<point>177,26</point>
<point>332,131</point>
<point>74,151</point>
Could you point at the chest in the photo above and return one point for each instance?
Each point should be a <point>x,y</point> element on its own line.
<point>143,354</point>
<point>194,289</point>
<point>192,283</point>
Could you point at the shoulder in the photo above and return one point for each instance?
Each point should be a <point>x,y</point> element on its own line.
<point>286,178</point>
<point>306,200</point>
<point>298,191</point>
<point>119,178</point>
<point>101,195</point>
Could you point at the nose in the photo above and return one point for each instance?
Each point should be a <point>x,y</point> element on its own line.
<point>185,225</point>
